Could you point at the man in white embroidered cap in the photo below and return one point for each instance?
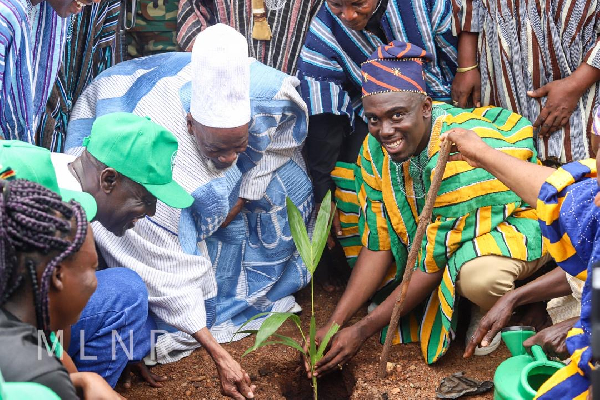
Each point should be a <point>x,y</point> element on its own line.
<point>220,107</point>
<point>240,126</point>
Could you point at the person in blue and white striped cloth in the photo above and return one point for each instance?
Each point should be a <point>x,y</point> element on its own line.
<point>241,126</point>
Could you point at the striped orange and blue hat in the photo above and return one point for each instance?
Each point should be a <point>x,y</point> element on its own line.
<point>396,67</point>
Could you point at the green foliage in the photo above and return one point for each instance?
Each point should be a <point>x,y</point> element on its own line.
<point>310,252</point>
<point>299,234</point>
<point>323,345</point>
<point>322,229</point>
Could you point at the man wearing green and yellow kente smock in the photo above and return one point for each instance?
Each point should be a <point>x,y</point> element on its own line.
<point>481,239</point>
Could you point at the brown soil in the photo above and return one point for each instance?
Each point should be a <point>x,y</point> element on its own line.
<point>276,371</point>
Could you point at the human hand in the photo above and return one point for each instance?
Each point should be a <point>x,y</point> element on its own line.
<point>142,371</point>
<point>94,387</point>
<point>467,146</point>
<point>336,227</point>
<point>553,339</point>
<point>235,382</point>
<point>344,345</point>
<point>562,98</point>
<point>491,323</point>
<point>466,89</point>
<point>235,210</point>
<point>319,335</point>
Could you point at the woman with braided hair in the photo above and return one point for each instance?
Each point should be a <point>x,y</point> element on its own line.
<point>48,267</point>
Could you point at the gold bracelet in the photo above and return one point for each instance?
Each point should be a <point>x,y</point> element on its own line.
<point>466,69</point>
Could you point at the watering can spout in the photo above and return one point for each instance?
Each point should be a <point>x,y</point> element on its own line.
<point>538,353</point>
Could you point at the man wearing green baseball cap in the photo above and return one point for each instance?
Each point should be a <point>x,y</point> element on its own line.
<point>35,164</point>
<point>126,166</point>
<point>128,306</point>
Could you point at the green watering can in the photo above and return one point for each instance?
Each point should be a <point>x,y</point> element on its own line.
<point>520,376</point>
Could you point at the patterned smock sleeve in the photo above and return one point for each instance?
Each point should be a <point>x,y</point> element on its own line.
<point>569,223</point>
<point>322,69</point>
<point>467,15</point>
<point>277,130</point>
<point>474,213</point>
<point>192,18</point>
<point>16,113</point>
<point>372,222</point>
<point>592,57</point>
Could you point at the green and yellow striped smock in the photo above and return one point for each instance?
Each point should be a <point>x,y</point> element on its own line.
<point>474,215</point>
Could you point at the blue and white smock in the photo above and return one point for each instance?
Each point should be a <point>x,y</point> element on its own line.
<point>198,274</point>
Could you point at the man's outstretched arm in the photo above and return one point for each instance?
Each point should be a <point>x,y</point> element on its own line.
<point>522,177</point>
<point>548,286</point>
<point>235,382</point>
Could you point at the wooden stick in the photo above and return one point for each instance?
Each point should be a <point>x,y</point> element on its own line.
<point>424,220</point>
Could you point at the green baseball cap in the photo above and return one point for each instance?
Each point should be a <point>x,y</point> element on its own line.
<point>141,150</point>
<point>34,164</point>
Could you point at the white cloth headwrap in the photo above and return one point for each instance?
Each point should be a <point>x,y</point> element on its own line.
<point>220,78</point>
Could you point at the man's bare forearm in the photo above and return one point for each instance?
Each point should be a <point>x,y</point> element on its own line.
<point>206,339</point>
<point>467,49</point>
<point>548,286</point>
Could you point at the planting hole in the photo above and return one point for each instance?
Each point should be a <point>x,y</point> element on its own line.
<point>335,386</point>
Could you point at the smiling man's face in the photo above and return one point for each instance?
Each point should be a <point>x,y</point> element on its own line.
<point>400,121</point>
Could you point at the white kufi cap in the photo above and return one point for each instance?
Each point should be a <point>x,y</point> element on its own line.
<point>220,78</point>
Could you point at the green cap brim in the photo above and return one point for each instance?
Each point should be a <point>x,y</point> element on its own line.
<point>86,200</point>
<point>172,194</point>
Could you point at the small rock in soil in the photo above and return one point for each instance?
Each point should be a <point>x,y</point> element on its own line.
<point>188,393</point>
<point>390,367</point>
<point>264,371</point>
<point>198,378</point>
<point>395,390</point>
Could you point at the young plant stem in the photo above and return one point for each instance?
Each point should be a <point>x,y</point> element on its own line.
<point>312,310</point>
<point>312,297</point>
<point>424,220</point>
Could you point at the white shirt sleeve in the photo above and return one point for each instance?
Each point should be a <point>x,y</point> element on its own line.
<point>178,283</point>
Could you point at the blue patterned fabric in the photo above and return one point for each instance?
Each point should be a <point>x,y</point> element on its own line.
<point>253,262</point>
<point>570,223</point>
<point>258,248</point>
<point>30,56</point>
<point>329,65</point>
